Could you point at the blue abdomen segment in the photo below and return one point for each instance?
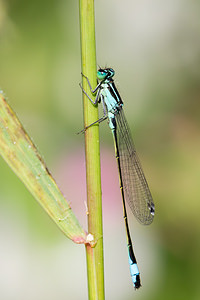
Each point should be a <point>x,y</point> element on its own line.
<point>135,274</point>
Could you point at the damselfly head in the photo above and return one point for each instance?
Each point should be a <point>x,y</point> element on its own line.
<point>107,73</point>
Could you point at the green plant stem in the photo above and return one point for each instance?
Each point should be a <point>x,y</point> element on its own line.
<point>94,255</point>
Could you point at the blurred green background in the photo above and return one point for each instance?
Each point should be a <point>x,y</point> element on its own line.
<point>154,47</point>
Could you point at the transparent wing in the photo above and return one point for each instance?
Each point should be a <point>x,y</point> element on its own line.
<point>136,189</point>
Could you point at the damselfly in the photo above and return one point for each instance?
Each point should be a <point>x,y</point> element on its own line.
<point>133,184</point>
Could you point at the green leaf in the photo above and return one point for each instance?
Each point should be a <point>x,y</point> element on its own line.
<point>23,157</point>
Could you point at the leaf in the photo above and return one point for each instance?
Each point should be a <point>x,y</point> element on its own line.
<point>23,157</point>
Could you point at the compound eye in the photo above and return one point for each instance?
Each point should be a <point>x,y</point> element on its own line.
<point>101,74</point>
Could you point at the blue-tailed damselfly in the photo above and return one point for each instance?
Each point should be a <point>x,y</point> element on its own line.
<point>133,184</point>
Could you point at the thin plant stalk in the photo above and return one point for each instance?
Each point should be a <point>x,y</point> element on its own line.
<point>95,267</point>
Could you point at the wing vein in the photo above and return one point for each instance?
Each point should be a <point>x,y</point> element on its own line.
<point>136,189</point>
